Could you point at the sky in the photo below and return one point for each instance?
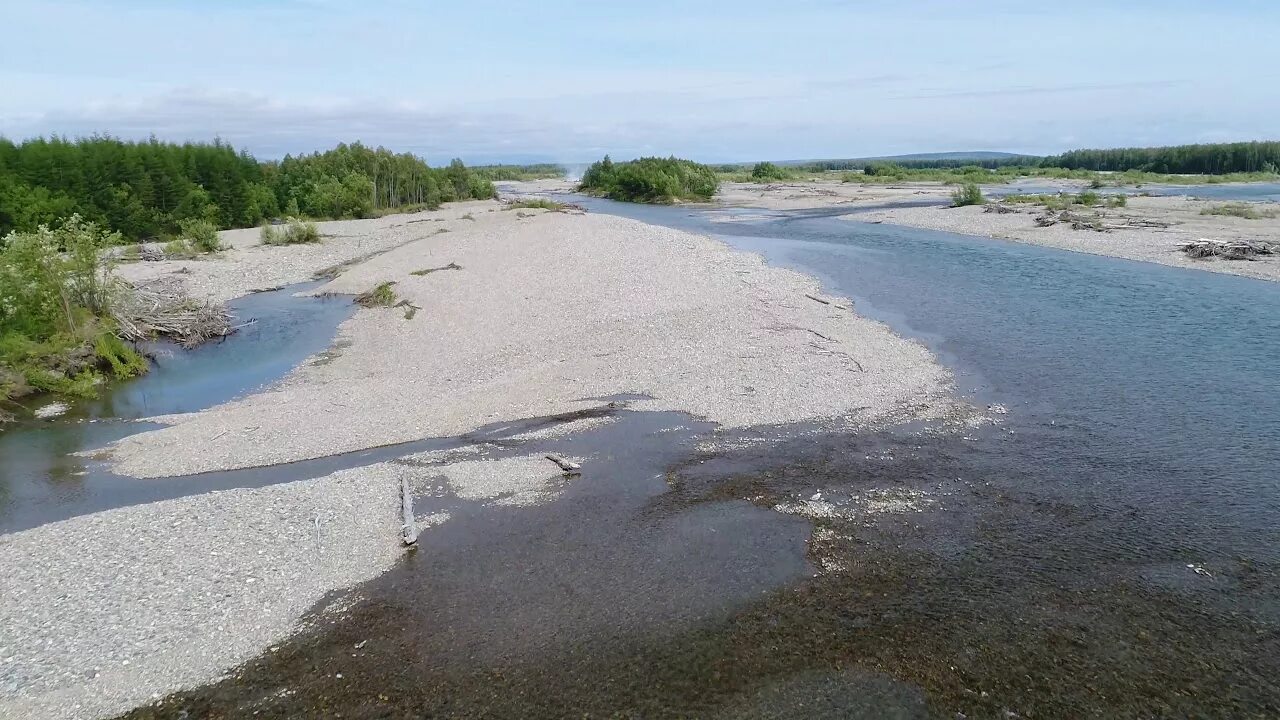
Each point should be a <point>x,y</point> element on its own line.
<point>716,81</point>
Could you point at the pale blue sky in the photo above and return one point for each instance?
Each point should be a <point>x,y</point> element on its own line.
<point>570,80</point>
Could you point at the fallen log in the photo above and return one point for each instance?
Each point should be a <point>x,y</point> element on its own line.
<point>565,463</point>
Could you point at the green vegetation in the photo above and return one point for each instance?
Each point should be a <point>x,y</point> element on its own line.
<point>200,235</point>
<point>888,172</point>
<point>57,291</point>
<point>1216,159</point>
<point>1240,210</point>
<point>299,231</point>
<point>967,194</point>
<point>296,232</point>
<point>536,204</point>
<point>1064,201</point>
<point>141,190</point>
<point>650,180</point>
<point>147,190</point>
<point>768,172</point>
<point>355,181</point>
<point>380,296</point>
<point>540,171</point>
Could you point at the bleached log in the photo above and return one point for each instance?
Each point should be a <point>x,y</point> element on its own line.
<point>565,463</point>
<point>406,507</point>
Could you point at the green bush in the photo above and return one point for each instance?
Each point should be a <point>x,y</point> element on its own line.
<point>1088,198</point>
<point>295,233</point>
<point>767,171</point>
<point>57,289</point>
<point>651,180</point>
<point>884,169</point>
<point>967,194</point>
<point>202,235</point>
<point>1117,201</point>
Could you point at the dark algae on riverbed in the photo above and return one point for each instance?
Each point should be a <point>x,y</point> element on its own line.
<point>985,599</point>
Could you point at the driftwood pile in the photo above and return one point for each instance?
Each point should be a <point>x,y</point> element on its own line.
<point>1227,249</point>
<point>1096,222</point>
<point>164,310</point>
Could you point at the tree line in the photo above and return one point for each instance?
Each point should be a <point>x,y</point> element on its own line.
<point>1209,159</point>
<point>1204,159</point>
<point>147,189</point>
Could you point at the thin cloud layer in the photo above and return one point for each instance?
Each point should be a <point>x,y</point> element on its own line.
<point>567,80</point>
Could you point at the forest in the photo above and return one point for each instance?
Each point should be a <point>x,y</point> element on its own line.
<point>1216,159</point>
<point>650,180</point>
<point>147,190</point>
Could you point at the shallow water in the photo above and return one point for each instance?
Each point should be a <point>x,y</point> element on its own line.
<point>40,478</point>
<point>1148,383</point>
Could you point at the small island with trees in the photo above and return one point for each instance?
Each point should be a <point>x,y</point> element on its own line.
<point>650,180</point>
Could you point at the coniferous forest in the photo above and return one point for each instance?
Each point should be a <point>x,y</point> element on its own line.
<point>145,190</point>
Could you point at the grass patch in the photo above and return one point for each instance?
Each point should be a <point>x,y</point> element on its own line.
<point>537,204</point>
<point>468,216</point>
<point>296,232</point>
<point>380,296</point>
<point>1064,201</point>
<point>1240,210</point>
<point>967,194</point>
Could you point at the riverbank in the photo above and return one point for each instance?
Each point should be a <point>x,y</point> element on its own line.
<point>510,314</point>
<point>1153,227</point>
<point>1149,229</point>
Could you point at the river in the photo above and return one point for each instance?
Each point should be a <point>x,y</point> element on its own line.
<point>1110,548</point>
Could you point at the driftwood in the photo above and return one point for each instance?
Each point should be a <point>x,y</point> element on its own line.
<point>999,209</point>
<point>428,271</point>
<point>410,309</point>
<point>565,463</point>
<point>409,528</point>
<point>817,299</point>
<point>165,310</point>
<point>1227,249</point>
